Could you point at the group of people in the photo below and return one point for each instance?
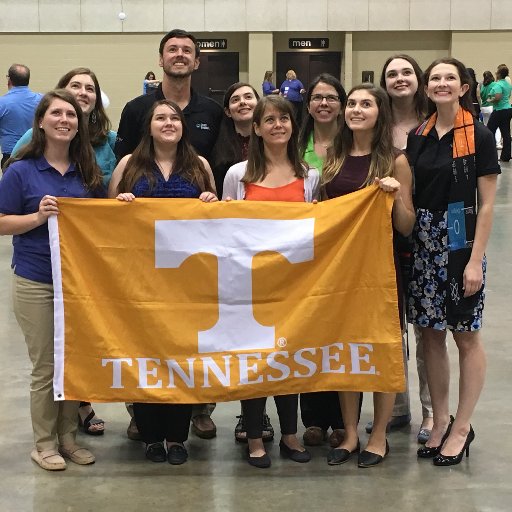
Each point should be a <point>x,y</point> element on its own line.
<point>174,143</point>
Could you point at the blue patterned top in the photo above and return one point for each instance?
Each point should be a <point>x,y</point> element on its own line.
<point>175,187</point>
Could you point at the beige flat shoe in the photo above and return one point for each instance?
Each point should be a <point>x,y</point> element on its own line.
<point>50,460</point>
<point>77,454</point>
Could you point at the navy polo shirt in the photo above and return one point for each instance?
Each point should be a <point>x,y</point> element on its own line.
<point>22,187</point>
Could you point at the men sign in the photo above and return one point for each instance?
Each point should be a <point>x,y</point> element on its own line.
<point>181,301</point>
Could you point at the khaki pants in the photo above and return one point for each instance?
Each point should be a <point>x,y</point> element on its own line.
<point>402,405</point>
<point>52,422</point>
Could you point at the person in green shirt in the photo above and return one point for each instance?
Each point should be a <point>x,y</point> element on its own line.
<point>502,111</point>
<point>325,100</point>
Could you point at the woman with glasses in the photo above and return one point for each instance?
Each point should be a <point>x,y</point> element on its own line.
<point>325,99</point>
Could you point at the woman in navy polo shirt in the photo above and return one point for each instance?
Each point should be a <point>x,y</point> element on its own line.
<point>59,161</point>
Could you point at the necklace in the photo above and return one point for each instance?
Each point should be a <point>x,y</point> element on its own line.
<point>162,170</point>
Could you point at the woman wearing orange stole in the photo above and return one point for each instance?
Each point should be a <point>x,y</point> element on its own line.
<point>454,162</point>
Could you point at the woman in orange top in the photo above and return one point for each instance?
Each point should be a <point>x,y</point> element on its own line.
<point>273,172</point>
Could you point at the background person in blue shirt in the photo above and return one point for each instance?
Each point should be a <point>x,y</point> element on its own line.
<point>267,85</point>
<point>292,89</point>
<point>17,108</point>
<point>59,161</point>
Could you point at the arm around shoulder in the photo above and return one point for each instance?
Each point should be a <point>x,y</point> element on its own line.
<point>116,177</point>
<point>210,173</point>
<point>232,186</point>
<point>404,214</point>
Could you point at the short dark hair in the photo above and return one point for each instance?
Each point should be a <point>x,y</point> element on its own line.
<point>181,34</point>
<point>502,71</point>
<point>19,75</point>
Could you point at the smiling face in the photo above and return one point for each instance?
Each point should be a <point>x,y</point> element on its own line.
<point>324,105</point>
<point>178,57</point>
<point>444,85</point>
<point>401,81</point>
<point>275,126</point>
<point>83,89</point>
<point>361,112</point>
<point>59,122</point>
<point>241,105</point>
<point>166,125</point>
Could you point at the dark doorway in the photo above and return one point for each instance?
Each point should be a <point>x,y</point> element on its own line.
<point>307,65</point>
<point>216,72</point>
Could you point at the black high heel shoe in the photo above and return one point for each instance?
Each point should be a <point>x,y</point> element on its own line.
<point>452,460</point>
<point>429,452</point>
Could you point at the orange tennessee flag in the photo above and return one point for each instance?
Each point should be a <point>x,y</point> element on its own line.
<point>176,300</point>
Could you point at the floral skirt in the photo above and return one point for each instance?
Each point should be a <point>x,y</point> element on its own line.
<point>428,286</point>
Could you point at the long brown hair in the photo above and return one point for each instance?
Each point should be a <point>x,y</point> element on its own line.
<point>420,98</point>
<point>80,149</point>
<point>99,123</point>
<point>256,160</point>
<point>142,160</point>
<point>382,152</point>
<point>464,76</point>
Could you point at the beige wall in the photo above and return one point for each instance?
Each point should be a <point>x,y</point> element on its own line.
<point>253,15</point>
<point>371,49</point>
<point>483,51</point>
<point>122,60</point>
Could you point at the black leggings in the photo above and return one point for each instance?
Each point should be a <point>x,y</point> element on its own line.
<point>501,119</point>
<point>286,409</point>
<point>157,422</point>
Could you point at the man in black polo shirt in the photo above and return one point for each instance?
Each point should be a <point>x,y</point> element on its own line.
<point>179,58</point>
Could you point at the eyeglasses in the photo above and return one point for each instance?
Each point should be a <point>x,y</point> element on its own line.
<point>330,98</point>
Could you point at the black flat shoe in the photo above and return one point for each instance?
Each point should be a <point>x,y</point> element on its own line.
<point>295,455</point>
<point>259,462</point>
<point>429,452</point>
<point>177,454</point>
<point>155,452</point>
<point>452,460</point>
<point>338,456</point>
<point>368,459</point>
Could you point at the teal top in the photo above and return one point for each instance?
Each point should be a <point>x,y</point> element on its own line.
<point>484,94</point>
<point>105,157</point>
<point>311,158</point>
<point>504,88</point>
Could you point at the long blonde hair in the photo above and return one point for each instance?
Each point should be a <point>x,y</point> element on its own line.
<point>382,151</point>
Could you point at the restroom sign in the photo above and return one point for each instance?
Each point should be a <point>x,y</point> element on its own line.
<point>315,43</point>
<point>213,44</point>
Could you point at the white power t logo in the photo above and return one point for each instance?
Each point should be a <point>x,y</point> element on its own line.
<point>234,242</point>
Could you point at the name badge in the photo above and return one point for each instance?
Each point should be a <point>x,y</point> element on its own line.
<point>456,226</point>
